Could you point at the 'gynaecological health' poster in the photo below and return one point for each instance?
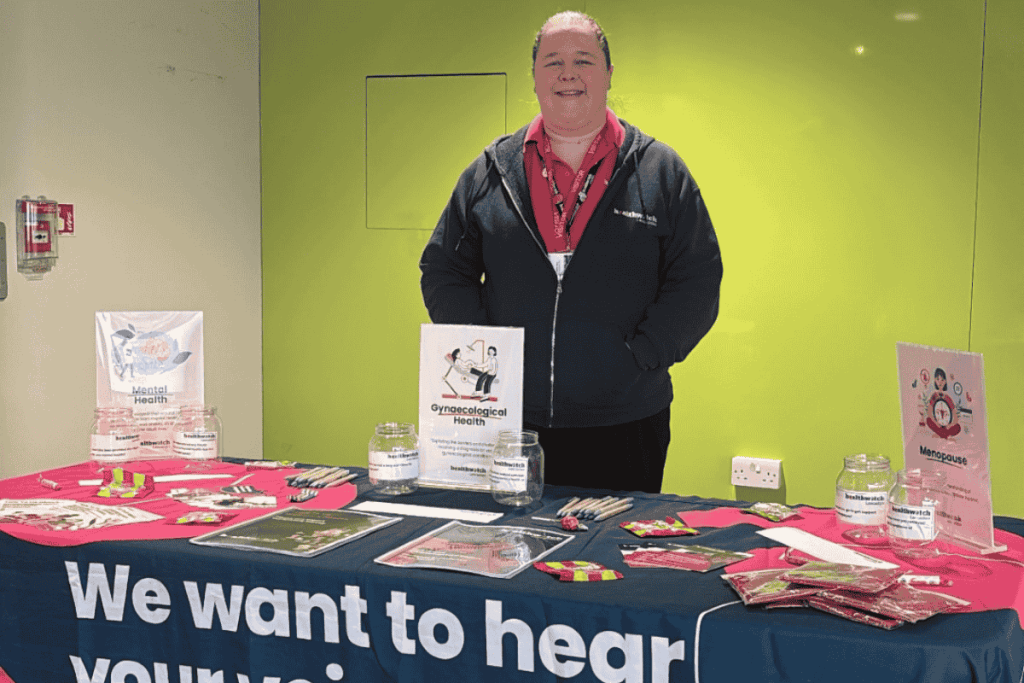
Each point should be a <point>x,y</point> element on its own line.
<point>471,387</point>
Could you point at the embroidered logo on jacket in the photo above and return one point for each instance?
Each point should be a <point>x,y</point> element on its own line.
<point>642,217</point>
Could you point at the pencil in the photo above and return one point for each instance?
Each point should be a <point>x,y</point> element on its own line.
<point>611,512</point>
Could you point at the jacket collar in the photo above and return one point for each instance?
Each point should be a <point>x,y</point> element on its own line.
<point>507,155</point>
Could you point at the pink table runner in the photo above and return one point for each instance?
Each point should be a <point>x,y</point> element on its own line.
<point>271,482</point>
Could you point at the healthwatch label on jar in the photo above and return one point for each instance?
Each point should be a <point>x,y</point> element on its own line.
<point>509,474</point>
<point>912,522</point>
<point>195,445</point>
<point>113,446</point>
<point>394,465</point>
<point>861,507</point>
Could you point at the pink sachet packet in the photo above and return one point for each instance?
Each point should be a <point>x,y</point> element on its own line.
<point>826,605</point>
<point>203,517</point>
<point>779,604</point>
<point>656,527</point>
<point>842,576</point>
<point>578,570</point>
<point>775,512</point>
<point>765,585</point>
<point>678,556</point>
<point>653,558</point>
<point>898,601</point>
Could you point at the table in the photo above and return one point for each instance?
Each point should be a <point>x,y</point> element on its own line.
<point>168,611</point>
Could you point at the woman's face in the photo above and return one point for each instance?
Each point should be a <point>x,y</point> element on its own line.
<point>571,80</point>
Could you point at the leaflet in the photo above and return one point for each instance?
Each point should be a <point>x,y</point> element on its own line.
<point>427,511</point>
<point>297,532</point>
<point>497,551</point>
<point>55,514</point>
<point>822,548</point>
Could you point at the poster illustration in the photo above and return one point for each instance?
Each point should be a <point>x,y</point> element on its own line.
<point>942,400</point>
<point>471,387</point>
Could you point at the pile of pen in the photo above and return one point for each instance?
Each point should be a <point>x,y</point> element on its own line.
<point>595,509</point>
<point>321,477</point>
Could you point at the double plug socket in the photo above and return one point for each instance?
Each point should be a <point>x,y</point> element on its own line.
<point>761,473</point>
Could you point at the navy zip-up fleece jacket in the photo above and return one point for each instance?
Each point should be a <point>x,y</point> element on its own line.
<point>638,294</point>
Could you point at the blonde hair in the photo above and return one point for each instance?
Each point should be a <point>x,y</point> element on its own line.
<point>571,18</point>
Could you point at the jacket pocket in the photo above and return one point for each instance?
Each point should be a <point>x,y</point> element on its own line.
<point>593,365</point>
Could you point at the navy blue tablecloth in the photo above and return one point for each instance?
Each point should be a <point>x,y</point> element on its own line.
<point>172,611</point>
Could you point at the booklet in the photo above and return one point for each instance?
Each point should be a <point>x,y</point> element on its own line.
<point>297,532</point>
<point>496,551</point>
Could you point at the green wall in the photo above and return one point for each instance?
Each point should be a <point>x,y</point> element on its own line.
<point>861,197</point>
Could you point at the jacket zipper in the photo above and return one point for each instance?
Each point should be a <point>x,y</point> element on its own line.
<point>558,290</point>
<point>558,294</point>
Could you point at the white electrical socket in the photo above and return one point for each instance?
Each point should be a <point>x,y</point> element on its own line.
<point>760,473</point>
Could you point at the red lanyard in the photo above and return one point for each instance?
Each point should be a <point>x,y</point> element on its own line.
<point>580,187</point>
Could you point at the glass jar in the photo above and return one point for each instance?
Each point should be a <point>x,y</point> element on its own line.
<point>394,460</point>
<point>915,502</point>
<point>198,434</point>
<point>862,495</point>
<point>517,468</point>
<point>115,436</point>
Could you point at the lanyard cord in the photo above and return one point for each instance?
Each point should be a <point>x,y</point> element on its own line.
<point>581,196</point>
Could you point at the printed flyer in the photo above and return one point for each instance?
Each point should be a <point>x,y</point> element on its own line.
<point>942,399</point>
<point>471,387</point>
<point>297,532</point>
<point>500,552</point>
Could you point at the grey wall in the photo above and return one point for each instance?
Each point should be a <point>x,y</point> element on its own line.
<point>145,115</point>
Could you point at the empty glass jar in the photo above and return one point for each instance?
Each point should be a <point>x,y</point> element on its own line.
<point>198,434</point>
<point>862,496</point>
<point>394,458</point>
<point>517,468</point>
<point>915,502</point>
<point>115,436</point>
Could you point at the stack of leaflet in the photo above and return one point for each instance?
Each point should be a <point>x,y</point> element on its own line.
<point>868,595</point>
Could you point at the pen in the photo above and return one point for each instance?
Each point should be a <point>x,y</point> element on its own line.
<point>338,482</point>
<point>604,507</point>
<point>566,523</point>
<point>238,481</point>
<point>607,500</point>
<point>328,477</point>
<point>610,512</point>
<point>302,477</point>
<point>578,510</point>
<point>572,509</point>
<point>565,508</point>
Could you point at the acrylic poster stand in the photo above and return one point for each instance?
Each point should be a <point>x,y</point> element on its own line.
<point>471,387</point>
<point>942,400</point>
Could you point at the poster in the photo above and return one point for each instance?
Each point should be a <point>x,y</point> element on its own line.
<point>942,400</point>
<point>151,362</point>
<point>471,387</point>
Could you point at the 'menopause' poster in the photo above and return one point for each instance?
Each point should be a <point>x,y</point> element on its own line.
<point>942,397</point>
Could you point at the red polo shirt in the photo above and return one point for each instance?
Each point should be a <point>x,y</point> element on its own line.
<point>537,154</point>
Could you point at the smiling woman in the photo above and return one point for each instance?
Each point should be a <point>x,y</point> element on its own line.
<point>572,73</point>
<point>593,238</point>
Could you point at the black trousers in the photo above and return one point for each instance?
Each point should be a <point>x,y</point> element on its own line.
<point>624,457</point>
